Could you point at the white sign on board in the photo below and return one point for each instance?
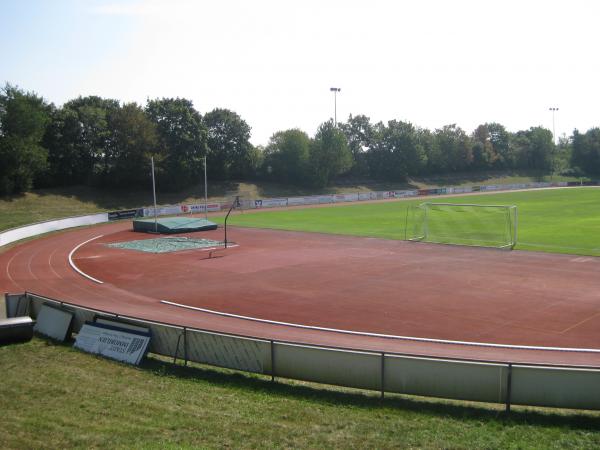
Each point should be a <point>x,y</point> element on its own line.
<point>112,343</point>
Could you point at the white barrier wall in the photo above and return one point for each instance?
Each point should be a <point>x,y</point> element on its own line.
<point>339,367</point>
<point>36,229</point>
<point>556,387</point>
<point>445,378</point>
<point>250,355</point>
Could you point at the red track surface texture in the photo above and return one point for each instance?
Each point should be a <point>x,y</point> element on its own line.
<point>348,283</point>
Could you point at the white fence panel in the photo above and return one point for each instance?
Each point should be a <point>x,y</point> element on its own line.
<point>251,355</point>
<point>445,378</point>
<point>556,387</point>
<point>339,367</point>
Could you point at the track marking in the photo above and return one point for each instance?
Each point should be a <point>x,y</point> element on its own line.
<point>13,281</point>
<point>581,323</point>
<point>389,336</point>
<point>75,268</point>
<point>50,264</point>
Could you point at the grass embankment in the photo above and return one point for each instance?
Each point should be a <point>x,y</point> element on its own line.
<point>45,204</point>
<point>553,220</point>
<point>55,397</point>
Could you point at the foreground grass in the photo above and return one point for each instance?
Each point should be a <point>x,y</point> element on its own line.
<point>554,220</point>
<point>45,204</point>
<point>55,397</point>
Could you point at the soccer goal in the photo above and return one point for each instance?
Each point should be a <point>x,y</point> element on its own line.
<point>463,224</point>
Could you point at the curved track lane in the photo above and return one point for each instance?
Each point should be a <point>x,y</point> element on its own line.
<point>42,266</point>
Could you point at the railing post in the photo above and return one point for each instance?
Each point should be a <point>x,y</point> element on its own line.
<point>382,375</point>
<point>185,346</point>
<point>508,387</point>
<point>272,361</point>
<point>177,347</point>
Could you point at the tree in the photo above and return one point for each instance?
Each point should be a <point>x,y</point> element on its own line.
<point>329,154</point>
<point>287,156</point>
<point>133,141</point>
<point>183,139</point>
<point>533,149</point>
<point>360,134</point>
<point>586,151</point>
<point>397,151</point>
<point>484,153</point>
<point>23,120</point>
<point>455,148</point>
<point>77,140</point>
<point>500,140</point>
<point>229,147</point>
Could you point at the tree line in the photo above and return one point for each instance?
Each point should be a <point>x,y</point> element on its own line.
<point>103,142</point>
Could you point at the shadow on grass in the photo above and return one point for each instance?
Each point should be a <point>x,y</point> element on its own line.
<point>371,399</point>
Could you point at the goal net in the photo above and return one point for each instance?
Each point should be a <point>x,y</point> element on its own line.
<point>463,224</point>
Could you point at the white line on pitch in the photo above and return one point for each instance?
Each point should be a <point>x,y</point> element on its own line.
<point>74,267</point>
<point>388,336</point>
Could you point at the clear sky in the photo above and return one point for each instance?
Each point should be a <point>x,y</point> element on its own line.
<point>428,62</point>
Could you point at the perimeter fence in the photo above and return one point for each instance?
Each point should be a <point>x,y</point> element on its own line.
<point>501,382</point>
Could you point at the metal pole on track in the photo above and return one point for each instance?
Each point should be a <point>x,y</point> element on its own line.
<point>154,194</point>
<point>205,192</point>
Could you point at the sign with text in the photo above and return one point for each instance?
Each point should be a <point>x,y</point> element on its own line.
<point>111,342</point>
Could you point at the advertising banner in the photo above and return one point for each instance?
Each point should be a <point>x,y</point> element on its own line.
<point>367,196</point>
<point>199,208</point>
<point>126,214</point>
<point>270,202</point>
<point>294,201</point>
<point>123,345</point>
<point>325,199</point>
<point>404,194</point>
<point>162,210</point>
<point>346,197</point>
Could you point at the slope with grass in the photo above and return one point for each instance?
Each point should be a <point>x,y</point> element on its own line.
<point>53,396</point>
<point>551,220</point>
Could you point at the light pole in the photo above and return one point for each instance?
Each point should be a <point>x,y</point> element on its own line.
<point>553,124</point>
<point>553,109</point>
<point>335,91</point>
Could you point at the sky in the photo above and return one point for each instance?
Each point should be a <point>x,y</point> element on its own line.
<point>428,62</point>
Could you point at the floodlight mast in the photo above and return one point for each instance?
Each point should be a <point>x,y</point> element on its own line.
<point>335,91</point>
<point>553,109</point>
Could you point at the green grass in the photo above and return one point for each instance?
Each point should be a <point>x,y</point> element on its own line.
<point>553,220</point>
<point>55,397</point>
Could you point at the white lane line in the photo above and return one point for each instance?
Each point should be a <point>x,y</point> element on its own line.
<point>388,336</point>
<point>75,268</point>
<point>56,274</point>
<point>8,270</point>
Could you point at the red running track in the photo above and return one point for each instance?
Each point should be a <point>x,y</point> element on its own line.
<point>365,285</point>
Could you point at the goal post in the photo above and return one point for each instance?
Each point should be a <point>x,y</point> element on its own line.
<point>463,224</point>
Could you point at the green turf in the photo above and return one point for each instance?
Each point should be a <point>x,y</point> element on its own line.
<point>552,220</point>
<point>55,397</point>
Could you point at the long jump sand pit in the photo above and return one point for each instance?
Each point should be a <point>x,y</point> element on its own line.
<point>370,290</point>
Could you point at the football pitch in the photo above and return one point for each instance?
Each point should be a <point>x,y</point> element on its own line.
<point>549,220</point>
